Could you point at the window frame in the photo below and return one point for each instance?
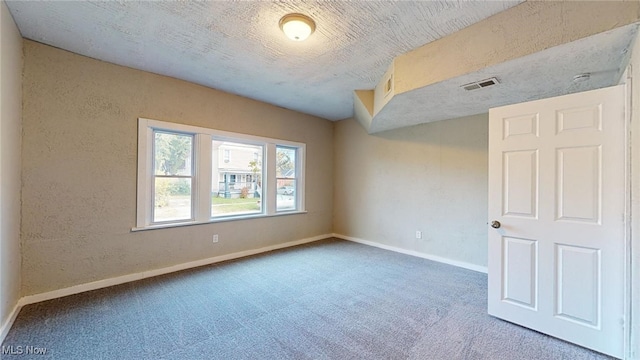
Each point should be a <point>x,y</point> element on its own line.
<point>155,176</point>
<point>295,178</point>
<point>202,172</point>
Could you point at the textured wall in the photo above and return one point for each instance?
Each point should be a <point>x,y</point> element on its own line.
<point>10,128</point>
<point>79,170</point>
<point>430,177</point>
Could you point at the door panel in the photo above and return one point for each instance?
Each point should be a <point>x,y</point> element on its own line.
<point>578,179</point>
<point>521,126</point>
<point>521,183</point>
<point>556,185</point>
<point>520,283</point>
<point>583,118</point>
<point>578,282</point>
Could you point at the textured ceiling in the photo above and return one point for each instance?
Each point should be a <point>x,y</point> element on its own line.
<point>237,46</point>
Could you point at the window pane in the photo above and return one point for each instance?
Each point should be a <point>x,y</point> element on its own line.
<point>236,186</point>
<point>285,162</point>
<point>172,199</point>
<point>285,178</point>
<point>172,153</point>
<point>286,194</point>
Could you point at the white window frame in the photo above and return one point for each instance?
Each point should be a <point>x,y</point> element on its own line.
<point>202,166</point>
<point>296,179</point>
<point>154,176</point>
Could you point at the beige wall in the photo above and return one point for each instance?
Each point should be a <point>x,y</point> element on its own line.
<point>430,177</point>
<point>10,129</point>
<point>79,170</point>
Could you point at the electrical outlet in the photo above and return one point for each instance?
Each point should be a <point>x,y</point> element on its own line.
<point>418,234</point>
<point>215,238</point>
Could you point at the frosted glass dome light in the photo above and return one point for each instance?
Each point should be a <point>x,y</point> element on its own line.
<point>297,27</point>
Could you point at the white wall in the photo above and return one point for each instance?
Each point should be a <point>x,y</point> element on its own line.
<point>430,177</point>
<point>10,154</point>
<point>635,200</point>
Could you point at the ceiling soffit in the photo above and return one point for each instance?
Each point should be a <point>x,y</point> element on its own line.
<point>534,49</point>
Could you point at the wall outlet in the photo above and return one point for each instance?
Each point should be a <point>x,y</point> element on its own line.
<point>215,238</point>
<point>418,234</point>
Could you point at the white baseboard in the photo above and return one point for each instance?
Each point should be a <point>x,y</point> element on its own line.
<point>76,289</point>
<point>462,264</point>
<point>4,329</point>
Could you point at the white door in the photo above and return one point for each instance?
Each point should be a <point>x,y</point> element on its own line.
<point>557,188</point>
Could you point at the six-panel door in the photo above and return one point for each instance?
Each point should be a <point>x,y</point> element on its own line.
<point>556,185</point>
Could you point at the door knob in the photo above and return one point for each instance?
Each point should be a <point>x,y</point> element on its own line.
<point>495,224</point>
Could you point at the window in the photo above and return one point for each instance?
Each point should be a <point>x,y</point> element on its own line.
<point>192,175</point>
<point>173,176</point>
<point>231,195</point>
<point>286,178</point>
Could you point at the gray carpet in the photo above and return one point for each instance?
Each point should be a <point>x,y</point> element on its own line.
<point>331,299</point>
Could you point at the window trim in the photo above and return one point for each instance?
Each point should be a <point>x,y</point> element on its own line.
<point>154,176</point>
<point>202,170</point>
<point>296,179</point>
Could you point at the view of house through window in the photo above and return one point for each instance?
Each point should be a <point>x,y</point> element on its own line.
<point>193,175</point>
<point>173,176</point>
<point>286,179</point>
<point>236,178</point>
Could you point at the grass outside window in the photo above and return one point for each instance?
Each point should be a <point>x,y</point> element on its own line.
<point>220,205</point>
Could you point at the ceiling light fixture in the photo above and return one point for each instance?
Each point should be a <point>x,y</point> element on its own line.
<point>297,27</point>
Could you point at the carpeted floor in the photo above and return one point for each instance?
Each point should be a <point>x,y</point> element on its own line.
<point>331,299</point>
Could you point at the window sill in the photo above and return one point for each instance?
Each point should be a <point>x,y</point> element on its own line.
<point>216,220</point>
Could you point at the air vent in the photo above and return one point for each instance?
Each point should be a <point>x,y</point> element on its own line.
<point>471,86</point>
<point>480,84</point>
<point>388,85</point>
